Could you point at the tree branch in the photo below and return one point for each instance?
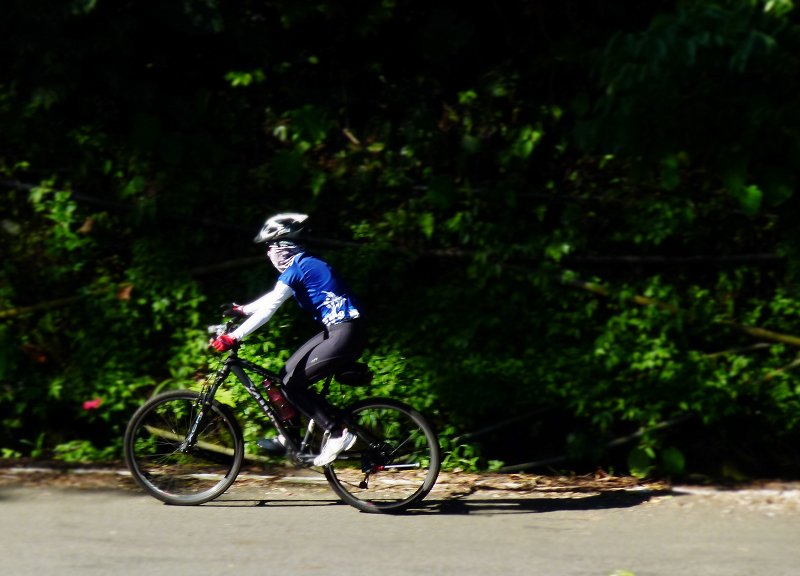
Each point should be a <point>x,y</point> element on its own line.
<point>753,331</point>
<point>49,305</point>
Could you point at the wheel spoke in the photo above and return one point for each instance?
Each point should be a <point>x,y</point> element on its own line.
<point>398,457</point>
<point>159,461</point>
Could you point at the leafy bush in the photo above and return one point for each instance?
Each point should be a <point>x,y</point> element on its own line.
<point>581,251</point>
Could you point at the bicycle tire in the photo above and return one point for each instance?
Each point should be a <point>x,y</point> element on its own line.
<point>395,461</point>
<point>152,445</point>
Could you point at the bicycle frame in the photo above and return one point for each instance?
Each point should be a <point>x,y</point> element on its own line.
<point>240,367</point>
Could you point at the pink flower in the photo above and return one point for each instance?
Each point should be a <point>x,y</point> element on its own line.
<point>92,404</point>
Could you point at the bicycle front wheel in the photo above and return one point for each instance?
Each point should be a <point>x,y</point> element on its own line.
<point>160,460</point>
<point>394,462</point>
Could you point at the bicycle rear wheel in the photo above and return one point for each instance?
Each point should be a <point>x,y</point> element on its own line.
<point>394,462</point>
<point>168,470</point>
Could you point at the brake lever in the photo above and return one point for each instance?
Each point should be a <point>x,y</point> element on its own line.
<point>220,329</point>
<point>217,329</point>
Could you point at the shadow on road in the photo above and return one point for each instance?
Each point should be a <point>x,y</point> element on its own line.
<point>536,505</point>
<point>475,506</point>
<point>223,502</point>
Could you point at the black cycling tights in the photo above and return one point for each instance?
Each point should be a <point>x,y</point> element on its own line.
<point>326,353</point>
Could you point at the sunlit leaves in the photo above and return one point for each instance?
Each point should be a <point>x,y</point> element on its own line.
<point>779,7</point>
<point>426,224</point>
<point>244,79</point>
<point>526,141</point>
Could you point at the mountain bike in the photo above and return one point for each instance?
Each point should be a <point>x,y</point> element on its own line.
<point>185,447</point>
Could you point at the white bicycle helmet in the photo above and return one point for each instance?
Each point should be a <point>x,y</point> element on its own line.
<point>285,226</point>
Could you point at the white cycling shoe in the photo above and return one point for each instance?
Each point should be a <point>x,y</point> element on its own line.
<point>334,446</point>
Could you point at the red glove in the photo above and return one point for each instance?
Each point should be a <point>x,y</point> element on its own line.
<point>224,342</point>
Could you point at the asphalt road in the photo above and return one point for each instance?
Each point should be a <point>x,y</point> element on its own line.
<point>303,530</point>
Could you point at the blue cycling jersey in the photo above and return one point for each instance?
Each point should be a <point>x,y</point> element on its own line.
<point>319,290</point>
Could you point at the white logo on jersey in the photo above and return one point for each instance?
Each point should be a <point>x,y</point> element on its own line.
<point>335,305</point>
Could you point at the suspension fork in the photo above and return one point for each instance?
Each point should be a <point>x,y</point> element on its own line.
<point>203,405</point>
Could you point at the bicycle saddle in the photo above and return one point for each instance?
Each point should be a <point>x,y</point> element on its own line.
<point>355,374</point>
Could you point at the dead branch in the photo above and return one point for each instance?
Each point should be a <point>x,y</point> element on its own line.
<point>611,444</point>
<point>49,305</point>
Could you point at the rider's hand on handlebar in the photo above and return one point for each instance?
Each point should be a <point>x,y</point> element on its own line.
<point>223,343</point>
<point>232,310</point>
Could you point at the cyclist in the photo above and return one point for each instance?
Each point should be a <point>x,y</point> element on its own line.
<point>320,291</point>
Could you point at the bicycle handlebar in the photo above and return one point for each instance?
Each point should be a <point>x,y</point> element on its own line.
<point>219,329</point>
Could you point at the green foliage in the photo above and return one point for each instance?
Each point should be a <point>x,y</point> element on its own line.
<point>580,224</point>
<point>663,87</point>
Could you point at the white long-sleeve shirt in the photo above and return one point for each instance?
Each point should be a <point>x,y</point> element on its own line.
<point>261,310</point>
